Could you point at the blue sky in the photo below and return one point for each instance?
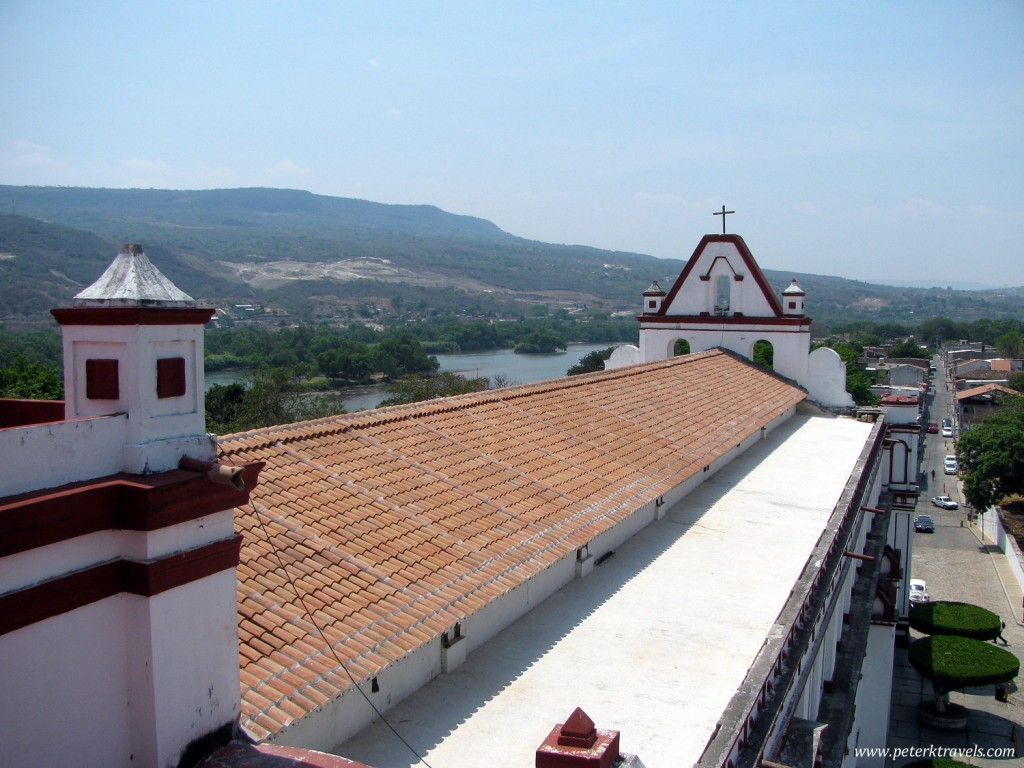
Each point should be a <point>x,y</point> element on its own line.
<point>872,140</point>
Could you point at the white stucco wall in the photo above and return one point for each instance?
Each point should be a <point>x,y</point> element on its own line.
<point>874,694</point>
<point>717,260</point>
<point>52,454</point>
<point>182,665</point>
<point>790,346</point>
<point>627,354</point>
<point>826,379</point>
<point>82,686</point>
<point>159,430</point>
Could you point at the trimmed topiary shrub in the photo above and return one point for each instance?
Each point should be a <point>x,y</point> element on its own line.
<point>961,619</point>
<point>952,663</point>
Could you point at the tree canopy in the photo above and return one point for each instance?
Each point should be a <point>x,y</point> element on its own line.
<point>413,389</point>
<point>944,617</point>
<point>991,456</point>
<point>270,396</point>
<point>953,662</point>
<point>20,378</point>
<point>590,362</point>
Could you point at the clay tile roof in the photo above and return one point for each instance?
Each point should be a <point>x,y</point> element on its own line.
<point>396,523</point>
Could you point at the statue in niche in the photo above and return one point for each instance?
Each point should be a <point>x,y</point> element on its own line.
<point>722,294</point>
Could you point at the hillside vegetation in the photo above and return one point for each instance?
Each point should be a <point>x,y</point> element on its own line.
<point>314,258</point>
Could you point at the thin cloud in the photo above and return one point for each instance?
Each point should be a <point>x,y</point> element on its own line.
<point>288,168</point>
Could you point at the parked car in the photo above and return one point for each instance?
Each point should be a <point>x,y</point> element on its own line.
<point>950,467</point>
<point>918,591</point>
<point>924,524</point>
<point>933,426</point>
<point>944,502</point>
<point>947,431</point>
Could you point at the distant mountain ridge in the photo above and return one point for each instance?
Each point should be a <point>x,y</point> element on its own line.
<point>111,211</point>
<point>318,257</point>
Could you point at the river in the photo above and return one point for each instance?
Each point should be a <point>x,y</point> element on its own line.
<point>517,369</point>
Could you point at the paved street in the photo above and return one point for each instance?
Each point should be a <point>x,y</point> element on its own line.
<point>958,565</point>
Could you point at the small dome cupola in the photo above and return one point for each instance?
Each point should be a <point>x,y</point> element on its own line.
<point>653,297</point>
<point>133,344</point>
<point>793,300</point>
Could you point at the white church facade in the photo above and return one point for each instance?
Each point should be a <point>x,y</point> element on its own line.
<point>722,299</point>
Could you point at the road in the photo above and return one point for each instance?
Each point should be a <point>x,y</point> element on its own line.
<point>958,565</point>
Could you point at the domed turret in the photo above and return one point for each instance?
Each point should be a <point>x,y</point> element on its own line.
<point>653,297</point>
<point>793,300</point>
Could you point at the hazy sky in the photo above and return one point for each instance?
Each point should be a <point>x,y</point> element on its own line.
<point>872,140</point>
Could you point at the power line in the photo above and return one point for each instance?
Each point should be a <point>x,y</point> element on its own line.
<point>309,615</point>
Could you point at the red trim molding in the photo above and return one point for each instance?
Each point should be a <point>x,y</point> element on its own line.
<point>16,412</point>
<point>59,596</point>
<point>125,502</point>
<point>748,260</point>
<point>782,322</point>
<point>132,315</point>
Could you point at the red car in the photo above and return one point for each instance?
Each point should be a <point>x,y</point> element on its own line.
<point>933,426</point>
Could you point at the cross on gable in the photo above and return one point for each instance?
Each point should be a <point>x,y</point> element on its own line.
<point>723,214</point>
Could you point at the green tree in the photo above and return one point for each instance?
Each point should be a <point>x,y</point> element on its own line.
<point>991,455</point>
<point>414,389</point>
<point>224,408</point>
<point>764,354</point>
<point>270,396</point>
<point>590,362</point>
<point>907,348</point>
<point>952,662</point>
<point>541,341</point>
<point>20,378</point>
<point>1011,344</point>
<point>681,347</point>
<point>956,655</point>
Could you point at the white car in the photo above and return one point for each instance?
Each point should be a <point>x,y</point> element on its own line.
<point>947,431</point>
<point>944,502</point>
<point>950,467</point>
<point>918,591</point>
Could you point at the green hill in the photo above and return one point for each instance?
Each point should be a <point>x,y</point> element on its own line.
<point>315,257</point>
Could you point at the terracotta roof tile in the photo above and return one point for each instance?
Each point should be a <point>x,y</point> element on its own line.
<point>394,524</point>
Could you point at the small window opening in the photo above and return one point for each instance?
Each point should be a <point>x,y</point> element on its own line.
<point>101,380</point>
<point>170,377</point>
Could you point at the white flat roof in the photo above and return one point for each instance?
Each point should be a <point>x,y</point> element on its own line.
<point>655,642</point>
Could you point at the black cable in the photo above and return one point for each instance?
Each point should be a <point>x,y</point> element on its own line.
<point>327,643</point>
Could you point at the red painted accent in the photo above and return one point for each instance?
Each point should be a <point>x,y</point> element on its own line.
<point>128,502</point>
<point>239,755</point>
<point>26,413</point>
<point>58,596</point>
<point>578,731</point>
<point>101,381</point>
<point>577,743</point>
<point>706,319</point>
<point>132,315</point>
<point>748,260</point>
<point>859,556</point>
<point>170,377</point>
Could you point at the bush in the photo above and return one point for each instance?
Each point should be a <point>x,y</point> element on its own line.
<point>951,618</point>
<point>952,662</point>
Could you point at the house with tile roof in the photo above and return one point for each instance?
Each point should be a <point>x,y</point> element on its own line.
<point>685,550</point>
<point>722,299</point>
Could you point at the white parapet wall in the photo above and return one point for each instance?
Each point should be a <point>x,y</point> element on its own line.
<point>59,452</point>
